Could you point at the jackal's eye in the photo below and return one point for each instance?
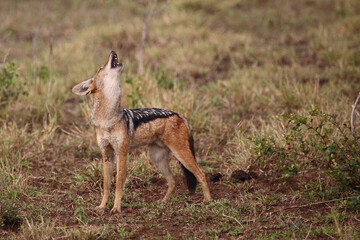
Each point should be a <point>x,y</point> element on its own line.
<point>99,69</point>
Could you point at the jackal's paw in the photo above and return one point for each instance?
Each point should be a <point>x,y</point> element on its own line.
<point>115,210</point>
<point>100,207</point>
<point>162,201</point>
<point>207,200</point>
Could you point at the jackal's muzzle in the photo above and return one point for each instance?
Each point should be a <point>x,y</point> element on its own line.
<point>115,60</point>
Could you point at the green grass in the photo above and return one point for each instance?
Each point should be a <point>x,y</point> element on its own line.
<point>232,68</point>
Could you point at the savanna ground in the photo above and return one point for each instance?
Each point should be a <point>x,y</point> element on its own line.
<point>267,87</point>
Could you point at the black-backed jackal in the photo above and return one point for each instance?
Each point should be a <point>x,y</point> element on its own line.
<point>118,130</point>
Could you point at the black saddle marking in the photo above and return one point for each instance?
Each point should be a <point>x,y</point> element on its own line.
<point>144,115</point>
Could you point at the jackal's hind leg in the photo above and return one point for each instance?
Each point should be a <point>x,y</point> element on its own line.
<point>108,167</point>
<point>159,157</point>
<point>185,156</point>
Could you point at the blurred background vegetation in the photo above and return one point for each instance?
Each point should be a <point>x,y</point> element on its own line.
<point>267,86</point>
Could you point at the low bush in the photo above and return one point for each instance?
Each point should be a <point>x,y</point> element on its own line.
<point>315,141</point>
<point>10,87</point>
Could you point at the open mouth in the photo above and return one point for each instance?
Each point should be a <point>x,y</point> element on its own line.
<point>115,61</point>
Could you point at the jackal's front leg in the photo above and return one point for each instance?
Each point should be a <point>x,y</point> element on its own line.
<point>108,167</point>
<point>120,178</point>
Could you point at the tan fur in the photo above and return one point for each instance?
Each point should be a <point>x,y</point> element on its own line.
<point>163,135</point>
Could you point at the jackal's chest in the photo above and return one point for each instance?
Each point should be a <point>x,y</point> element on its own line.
<point>106,138</point>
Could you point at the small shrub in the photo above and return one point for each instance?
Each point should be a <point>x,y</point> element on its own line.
<point>9,211</point>
<point>314,141</point>
<point>134,97</point>
<point>163,80</point>
<point>9,85</point>
<point>45,229</point>
<point>95,232</point>
<point>44,73</point>
<point>80,213</point>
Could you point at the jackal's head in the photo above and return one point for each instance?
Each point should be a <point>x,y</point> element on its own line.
<point>106,79</point>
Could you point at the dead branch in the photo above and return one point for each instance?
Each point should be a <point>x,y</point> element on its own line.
<point>132,40</point>
<point>238,222</point>
<point>357,113</point>
<point>6,55</point>
<point>51,55</point>
<point>307,235</point>
<point>353,119</point>
<point>5,58</point>
<point>34,43</point>
<point>5,37</point>
<point>310,204</point>
<point>144,32</point>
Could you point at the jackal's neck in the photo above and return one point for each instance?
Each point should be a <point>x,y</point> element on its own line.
<point>106,111</point>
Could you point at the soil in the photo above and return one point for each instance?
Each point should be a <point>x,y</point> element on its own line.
<point>54,179</point>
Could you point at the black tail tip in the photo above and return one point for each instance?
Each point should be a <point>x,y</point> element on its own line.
<point>190,180</point>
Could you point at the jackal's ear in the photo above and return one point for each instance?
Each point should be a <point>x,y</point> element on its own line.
<point>83,88</point>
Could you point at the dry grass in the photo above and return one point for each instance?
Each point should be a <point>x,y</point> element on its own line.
<point>229,67</point>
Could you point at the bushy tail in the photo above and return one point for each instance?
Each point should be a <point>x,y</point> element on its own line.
<point>190,177</point>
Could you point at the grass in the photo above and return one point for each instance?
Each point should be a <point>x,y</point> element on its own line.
<point>231,68</point>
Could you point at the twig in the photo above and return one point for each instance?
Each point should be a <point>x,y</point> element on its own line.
<point>50,63</point>
<point>307,235</point>
<point>311,204</point>
<point>34,42</point>
<point>143,38</point>
<point>233,219</point>
<point>352,120</point>
<point>357,113</point>
<point>6,55</point>
<point>5,37</point>
<point>162,7</point>
<point>144,32</point>
<point>29,225</point>
<point>328,235</point>
<point>141,50</point>
<point>128,35</point>
<point>3,103</point>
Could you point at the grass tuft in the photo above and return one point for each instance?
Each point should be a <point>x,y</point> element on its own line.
<point>244,74</point>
